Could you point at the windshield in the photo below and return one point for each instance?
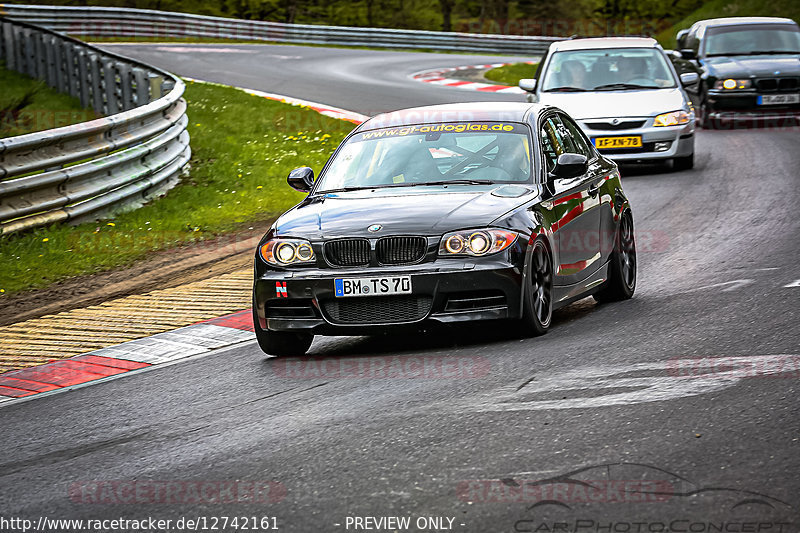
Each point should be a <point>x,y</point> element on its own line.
<point>607,69</point>
<point>457,153</point>
<point>752,39</point>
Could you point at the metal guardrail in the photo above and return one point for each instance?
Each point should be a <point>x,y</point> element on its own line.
<point>119,22</point>
<point>95,168</point>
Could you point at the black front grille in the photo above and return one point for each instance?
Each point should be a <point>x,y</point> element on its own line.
<point>777,84</point>
<point>400,250</point>
<point>377,309</point>
<point>624,125</point>
<point>348,252</point>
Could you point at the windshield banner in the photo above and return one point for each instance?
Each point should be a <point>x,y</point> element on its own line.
<point>458,127</point>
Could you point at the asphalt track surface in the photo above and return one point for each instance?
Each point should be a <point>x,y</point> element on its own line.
<point>718,253</point>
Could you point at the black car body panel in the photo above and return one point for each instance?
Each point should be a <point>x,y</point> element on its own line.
<point>577,218</point>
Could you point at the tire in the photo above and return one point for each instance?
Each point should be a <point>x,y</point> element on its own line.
<point>537,307</point>
<point>683,163</point>
<point>703,120</point>
<point>621,282</point>
<point>281,343</point>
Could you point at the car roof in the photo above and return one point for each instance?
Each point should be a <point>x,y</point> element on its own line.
<point>603,42</point>
<point>462,112</point>
<point>732,21</point>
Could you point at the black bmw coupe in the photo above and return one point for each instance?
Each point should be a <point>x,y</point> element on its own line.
<point>749,68</point>
<point>445,214</point>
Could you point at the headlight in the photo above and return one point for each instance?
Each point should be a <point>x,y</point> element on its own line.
<point>476,242</point>
<point>731,84</point>
<point>671,119</point>
<point>287,251</point>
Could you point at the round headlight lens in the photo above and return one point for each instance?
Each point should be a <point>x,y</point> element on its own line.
<point>286,252</point>
<point>455,244</point>
<point>729,84</point>
<point>479,242</point>
<point>304,252</point>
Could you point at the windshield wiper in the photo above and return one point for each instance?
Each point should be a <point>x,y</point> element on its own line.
<point>410,184</point>
<point>565,89</point>
<point>612,86</point>
<point>345,189</point>
<point>444,182</point>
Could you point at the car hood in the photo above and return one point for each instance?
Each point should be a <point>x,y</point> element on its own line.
<point>419,211</point>
<point>606,104</point>
<point>758,66</point>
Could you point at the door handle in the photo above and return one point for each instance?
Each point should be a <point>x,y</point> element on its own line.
<point>594,189</point>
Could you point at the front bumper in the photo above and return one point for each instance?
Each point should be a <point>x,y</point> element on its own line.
<point>443,291</point>
<point>672,141</point>
<point>743,106</point>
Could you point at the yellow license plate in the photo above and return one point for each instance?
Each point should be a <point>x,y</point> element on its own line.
<point>618,142</point>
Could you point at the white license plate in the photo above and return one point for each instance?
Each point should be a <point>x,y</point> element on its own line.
<point>778,99</point>
<point>372,286</point>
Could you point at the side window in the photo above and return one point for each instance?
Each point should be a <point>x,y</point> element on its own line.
<point>579,143</point>
<point>551,144</point>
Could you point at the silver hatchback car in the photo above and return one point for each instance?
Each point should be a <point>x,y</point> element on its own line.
<point>624,93</point>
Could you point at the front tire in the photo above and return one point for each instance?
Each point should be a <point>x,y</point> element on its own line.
<point>537,309</point>
<point>281,343</point>
<point>621,282</point>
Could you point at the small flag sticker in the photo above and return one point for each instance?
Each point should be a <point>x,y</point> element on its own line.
<point>280,289</point>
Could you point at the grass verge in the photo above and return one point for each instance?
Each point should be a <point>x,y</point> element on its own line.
<point>28,105</point>
<point>243,148</point>
<point>511,74</point>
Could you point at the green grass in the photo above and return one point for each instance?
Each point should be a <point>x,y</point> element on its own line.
<point>511,74</point>
<point>28,105</point>
<point>243,148</point>
<point>728,8</point>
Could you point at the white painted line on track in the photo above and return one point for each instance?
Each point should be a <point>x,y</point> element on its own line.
<point>610,386</point>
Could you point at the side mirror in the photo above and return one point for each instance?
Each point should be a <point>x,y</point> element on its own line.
<point>689,78</point>
<point>680,38</point>
<point>570,166</point>
<point>687,53</point>
<point>301,179</point>
<point>528,85</point>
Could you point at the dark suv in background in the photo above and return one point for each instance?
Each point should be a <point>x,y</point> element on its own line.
<point>749,67</point>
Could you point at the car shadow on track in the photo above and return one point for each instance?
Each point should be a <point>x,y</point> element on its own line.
<point>432,339</point>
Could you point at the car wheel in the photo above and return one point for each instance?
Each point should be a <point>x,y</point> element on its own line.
<point>703,118</point>
<point>280,342</point>
<point>622,267</point>
<point>538,304</point>
<point>683,163</point>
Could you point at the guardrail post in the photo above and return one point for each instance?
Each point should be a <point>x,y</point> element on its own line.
<point>98,100</point>
<point>53,62</point>
<point>155,86</point>
<point>113,104</point>
<point>142,86</point>
<point>28,54</point>
<point>7,36</point>
<point>125,86</point>
<point>84,82</point>
<point>70,70</point>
